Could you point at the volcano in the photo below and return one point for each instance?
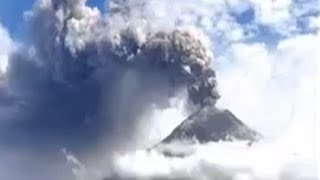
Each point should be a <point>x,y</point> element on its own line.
<point>212,124</point>
<point>208,124</point>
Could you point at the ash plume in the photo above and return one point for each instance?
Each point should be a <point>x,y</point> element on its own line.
<point>84,75</point>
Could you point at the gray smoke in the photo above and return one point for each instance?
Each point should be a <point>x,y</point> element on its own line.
<point>83,80</point>
<point>84,77</point>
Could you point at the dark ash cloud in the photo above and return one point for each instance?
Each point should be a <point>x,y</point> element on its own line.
<point>84,79</point>
<point>81,79</point>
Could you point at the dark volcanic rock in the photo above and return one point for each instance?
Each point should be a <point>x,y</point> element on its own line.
<point>211,124</point>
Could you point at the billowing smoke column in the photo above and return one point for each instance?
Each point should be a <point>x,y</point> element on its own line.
<point>84,76</point>
<point>186,61</point>
<point>73,40</point>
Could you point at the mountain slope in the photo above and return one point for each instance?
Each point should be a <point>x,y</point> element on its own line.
<point>211,124</point>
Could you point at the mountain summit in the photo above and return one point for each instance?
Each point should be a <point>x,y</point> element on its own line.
<point>208,124</point>
<point>211,124</point>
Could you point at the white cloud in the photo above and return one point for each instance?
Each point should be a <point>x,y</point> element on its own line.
<point>282,16</point>
<point>263,86</point>
<point>278,16</point>
<point>6,46</point>
<point>272,11</point>
<point>161,122</point>
<point>315,22</point>
<point>211,16</point>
